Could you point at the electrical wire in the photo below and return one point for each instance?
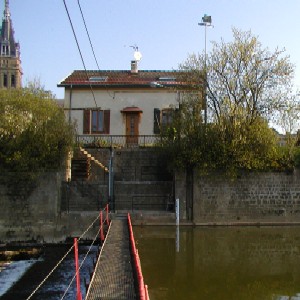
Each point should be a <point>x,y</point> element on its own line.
<point>87,32</point>
<point>84,259</point>
<point>62,259</point>
<point>78,46</point>
<point>45,279</point>
<point>91,44</point>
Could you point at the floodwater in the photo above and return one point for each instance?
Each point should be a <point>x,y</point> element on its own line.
<point>19,279</point>
<point>228,263</point>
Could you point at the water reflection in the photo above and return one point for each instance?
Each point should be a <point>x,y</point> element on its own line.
<point>220,263</point>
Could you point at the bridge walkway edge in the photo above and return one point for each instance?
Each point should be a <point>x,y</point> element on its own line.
<point>113,277</point>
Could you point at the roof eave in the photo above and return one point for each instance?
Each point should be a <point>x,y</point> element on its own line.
<point>109,86</point>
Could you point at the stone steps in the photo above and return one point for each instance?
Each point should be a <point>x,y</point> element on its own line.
<point>92,158</point>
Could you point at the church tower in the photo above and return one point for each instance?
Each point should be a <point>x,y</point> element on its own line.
<point>10,62</point>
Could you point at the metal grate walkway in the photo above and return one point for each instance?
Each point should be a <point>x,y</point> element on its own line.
<point>113,276</point>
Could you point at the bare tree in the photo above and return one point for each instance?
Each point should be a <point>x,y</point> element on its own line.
<point>241,75</point>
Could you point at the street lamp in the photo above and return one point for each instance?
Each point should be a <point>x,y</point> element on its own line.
<point>206,22</point>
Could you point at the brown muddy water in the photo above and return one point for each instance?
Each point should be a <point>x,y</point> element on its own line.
<point>228,263</point>
<point>231,263</point>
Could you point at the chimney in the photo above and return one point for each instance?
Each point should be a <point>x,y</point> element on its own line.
<point>134,66</point>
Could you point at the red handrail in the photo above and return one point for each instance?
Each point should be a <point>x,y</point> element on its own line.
<point>143,289</point>
<point>78,293</point>
<point>101,227</point>
<point>107,214</point>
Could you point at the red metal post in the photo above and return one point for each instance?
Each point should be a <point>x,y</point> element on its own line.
<point>143,291</point>
<point>107,217</point>
<point>101,227</point>
<point>78,295</point>
<point>146,292</point>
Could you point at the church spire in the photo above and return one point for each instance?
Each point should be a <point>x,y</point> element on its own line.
<point>6,23</point>
<point>6,11</point>
<point>10,62</point>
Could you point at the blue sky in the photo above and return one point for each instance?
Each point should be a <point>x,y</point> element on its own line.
<point>166,32</point>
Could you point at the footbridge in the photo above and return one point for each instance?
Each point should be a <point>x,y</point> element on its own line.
<point>116,273</point>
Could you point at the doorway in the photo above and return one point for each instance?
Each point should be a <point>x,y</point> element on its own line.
<point>132,128</point>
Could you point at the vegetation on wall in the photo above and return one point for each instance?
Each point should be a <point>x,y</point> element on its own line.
<point>224,116</point>
<point>34,135</point>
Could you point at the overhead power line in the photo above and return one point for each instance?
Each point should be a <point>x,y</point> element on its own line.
<point>91,44</point>
<point>87,32</point>
<point>79,51</point>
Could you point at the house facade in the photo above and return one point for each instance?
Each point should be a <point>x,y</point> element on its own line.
<point>130,103</point>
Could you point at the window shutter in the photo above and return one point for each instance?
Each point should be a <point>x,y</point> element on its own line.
<point>106,121</point>
<point>156,128</point>
<point>86,121</point>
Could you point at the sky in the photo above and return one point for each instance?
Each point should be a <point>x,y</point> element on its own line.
<point>165,31</point>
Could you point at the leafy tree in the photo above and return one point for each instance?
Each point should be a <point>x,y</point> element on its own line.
<point>34,135</point>
<point>245,85</point>
<point>241,74</point>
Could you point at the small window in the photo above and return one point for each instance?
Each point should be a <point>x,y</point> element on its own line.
<point>4,80</point>
<point>167,79</point>
<point>96,121</point>
<point>162,119</point>
<point>98,79</point>
<point>166,117</point>
<point>13,80</point>
<point>5,50</point>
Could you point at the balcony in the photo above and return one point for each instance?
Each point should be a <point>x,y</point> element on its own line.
<point>118,141</point>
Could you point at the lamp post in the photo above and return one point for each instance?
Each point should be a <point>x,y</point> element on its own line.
<point>206,22</point>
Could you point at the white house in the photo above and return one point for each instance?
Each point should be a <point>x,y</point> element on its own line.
<point>129,103</point>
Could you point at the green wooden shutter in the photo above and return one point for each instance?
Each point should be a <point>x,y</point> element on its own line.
<point>156,128</point>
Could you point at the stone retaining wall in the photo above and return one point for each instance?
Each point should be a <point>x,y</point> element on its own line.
<point>252,197</point>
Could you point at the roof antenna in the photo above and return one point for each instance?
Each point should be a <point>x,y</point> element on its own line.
<point>137,54</point>
<point>137,57</point>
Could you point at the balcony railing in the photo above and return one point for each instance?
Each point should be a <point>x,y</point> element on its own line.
<point>119,141</point>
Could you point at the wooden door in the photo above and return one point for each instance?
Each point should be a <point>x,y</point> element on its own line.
<point>132,128</point>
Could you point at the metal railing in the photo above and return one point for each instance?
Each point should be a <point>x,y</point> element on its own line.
<point>118,141</point>
<point>142,288</point>
<point>153,202</point>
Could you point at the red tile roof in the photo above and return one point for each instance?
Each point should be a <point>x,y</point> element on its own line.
<point>121,78</point>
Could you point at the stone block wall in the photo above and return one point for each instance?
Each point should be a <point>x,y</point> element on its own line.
<point>252,197</point>
<point>142,181</point>
<point>36,216</point>
<point>141,165</point>
<point>83,195</point>
<point>26,215</point>
<point>147,195</point>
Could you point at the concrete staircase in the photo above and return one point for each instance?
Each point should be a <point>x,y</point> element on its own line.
<point>141,181</point>
<point>93,159</point>
<point>80,169</point>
